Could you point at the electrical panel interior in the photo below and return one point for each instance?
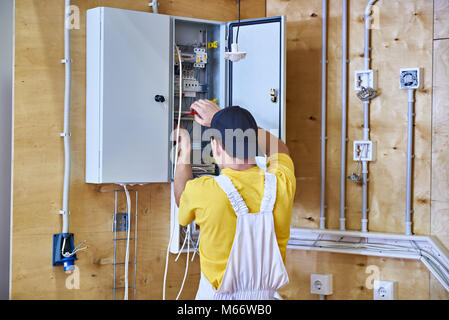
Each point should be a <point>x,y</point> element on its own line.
<point>198,44</point>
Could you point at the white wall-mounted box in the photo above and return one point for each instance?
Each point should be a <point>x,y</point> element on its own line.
<point>411,78</point>
<point>131,60</point>
<point>128,63</point>
<point>385,290</point>
<point>366,79</point>
<point>364,150</point>
<point>321,284</point>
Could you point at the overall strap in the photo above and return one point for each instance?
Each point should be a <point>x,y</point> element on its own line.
<point>269,196</point>
<point>234,196</point>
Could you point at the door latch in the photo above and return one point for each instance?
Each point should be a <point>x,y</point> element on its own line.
<point>273,95</point>
<point>159,98</point>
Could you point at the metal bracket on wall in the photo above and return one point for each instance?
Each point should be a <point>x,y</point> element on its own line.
<point>120,225</point>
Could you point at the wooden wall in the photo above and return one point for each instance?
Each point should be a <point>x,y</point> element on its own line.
<point>39,159</point>
<point>38,150</point>
<point>402,36</point>
<point>440,134</point>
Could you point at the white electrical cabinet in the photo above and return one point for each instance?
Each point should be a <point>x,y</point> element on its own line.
<point>133,76</point>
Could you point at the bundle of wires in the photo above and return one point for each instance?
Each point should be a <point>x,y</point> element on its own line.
<point>187,237</point>
<point>128,209</point>
<point>426,256</point>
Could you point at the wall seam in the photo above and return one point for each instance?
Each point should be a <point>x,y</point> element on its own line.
<point>431,135</point>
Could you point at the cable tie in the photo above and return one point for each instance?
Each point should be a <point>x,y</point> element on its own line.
<point>64,134</point>
<point>66,61</point>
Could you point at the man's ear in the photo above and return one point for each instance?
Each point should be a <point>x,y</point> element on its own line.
<point>213,145</point>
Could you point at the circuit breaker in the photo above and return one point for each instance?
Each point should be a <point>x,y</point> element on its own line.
<point>133,84</point>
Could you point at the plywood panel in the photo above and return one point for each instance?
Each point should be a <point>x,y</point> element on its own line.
<point>440,153</point>
<point>393,48</point>
<point>303,102</point>
<point>441,22</point>
<point>440,118</point>
<point>39,158</point>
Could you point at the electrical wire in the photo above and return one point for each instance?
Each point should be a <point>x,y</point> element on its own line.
<point>238,27</point>
<point>67,107</point>
<point>196,247</point>
<point>128,208</point>
<point>437,266</point>
<point>187,262</point>
<point>75,250</point>
<point>180,108</point>
<point>167,256</point>
<point>183,244</point>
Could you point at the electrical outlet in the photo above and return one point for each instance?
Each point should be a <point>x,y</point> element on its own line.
<point>321,284</point>
<point>385,290</point>
<point>410,78</point>
<point>366,79</point>
<point>364,151</point>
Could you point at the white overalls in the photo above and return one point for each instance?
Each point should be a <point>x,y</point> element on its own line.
<point>255,270</point>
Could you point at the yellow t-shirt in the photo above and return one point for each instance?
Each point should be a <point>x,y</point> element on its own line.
<point>205,202</point>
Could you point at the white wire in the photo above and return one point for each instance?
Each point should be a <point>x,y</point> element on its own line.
<point>187,262</point>
<point>180,108</point>
<point>376,247</point>
<point>128,208</point>
<point>196,247</point>
<point>183,244</point>
<point>176,163</point>
<point>167,258</point>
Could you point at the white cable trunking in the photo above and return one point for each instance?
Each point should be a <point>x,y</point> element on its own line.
<point>427,249</point>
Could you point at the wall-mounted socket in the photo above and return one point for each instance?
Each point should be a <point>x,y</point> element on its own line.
<point>366,79</point>
<point>410,78</point>
<point>385,290</point>
<point>364,150</point>
<point>321,284</point>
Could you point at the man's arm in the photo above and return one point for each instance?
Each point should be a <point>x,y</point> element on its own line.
<point>183,168</point>
<point>269,144</point>
<point>205,110</point>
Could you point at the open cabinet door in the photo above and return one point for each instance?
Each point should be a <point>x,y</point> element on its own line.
<point>128,65</point>
<point>257,83</point>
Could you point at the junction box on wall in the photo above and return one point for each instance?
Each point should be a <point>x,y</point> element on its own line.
<point>364,150</point>
<point>411,78</point>
<point>365,79</point>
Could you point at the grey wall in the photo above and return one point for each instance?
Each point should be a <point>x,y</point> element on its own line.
<point>6,76</point>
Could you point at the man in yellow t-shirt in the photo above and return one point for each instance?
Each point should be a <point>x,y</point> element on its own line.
<point>203,201</point>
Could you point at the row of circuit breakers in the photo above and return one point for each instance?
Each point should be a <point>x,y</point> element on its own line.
<point>133,78</point>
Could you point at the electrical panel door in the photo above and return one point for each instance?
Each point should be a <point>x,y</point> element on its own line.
<point>257,82</point>
<point>128,66</point>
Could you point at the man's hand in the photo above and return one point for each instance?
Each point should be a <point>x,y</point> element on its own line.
<point>183,168</point>
<point>184,148</point>
<point>205,110</point>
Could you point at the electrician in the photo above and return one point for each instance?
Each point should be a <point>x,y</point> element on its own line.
<point>244,214</point>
